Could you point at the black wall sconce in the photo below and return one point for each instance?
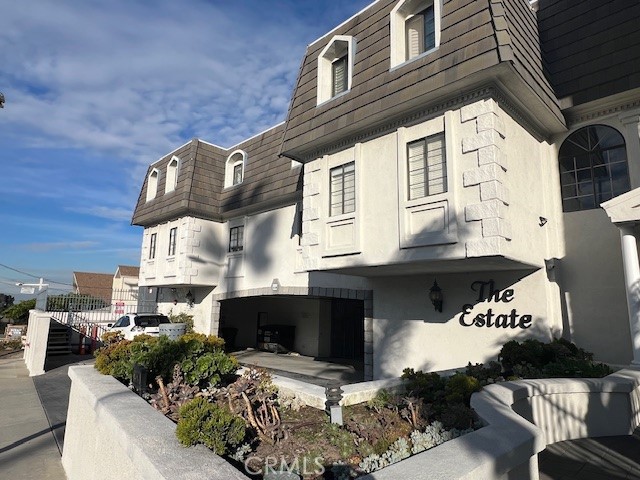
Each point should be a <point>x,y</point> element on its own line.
<point>174,292</point>
<point>190,298</point>
<point>435,295</point>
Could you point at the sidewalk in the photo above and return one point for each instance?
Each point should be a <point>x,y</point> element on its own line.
<point>28,449</point>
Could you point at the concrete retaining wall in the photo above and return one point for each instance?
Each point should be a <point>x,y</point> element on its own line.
<point>112,433</point>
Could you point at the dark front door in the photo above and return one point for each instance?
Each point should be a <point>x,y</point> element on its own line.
<point>347,328</point>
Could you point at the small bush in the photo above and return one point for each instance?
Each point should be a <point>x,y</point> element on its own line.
<point>429,386</point>
<point>558,358</point>
<point>182,318</point>
<point>115,360</point>
<point>211,425</point>
<point>209,368</point>
<point>459,388</point>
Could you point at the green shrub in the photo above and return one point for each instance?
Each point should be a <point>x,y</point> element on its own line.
<point>202,358</point>
<point>484,373</point>
<point>459,388</point>
<point>208,368</point>
<point>211,425</point>
<point>182,318</point>
<point>558,358</point>
<point>115,359</point>
<point>428,386</point>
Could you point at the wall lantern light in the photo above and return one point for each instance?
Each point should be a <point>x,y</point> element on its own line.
<point>435,295</point>
<point>174,292</point>
<point>190,298</point>
<point>275,285</point>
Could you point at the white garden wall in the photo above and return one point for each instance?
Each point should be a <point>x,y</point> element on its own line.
<point>112,433</point>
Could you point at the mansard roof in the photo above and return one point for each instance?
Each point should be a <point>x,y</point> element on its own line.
<point>269,181</point>
<point>482,42</point>
<point>591,47</point>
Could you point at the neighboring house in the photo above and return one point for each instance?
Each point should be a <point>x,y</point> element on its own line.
<point>125,289</point>
<point>97,285</point>
<point>468,143</point>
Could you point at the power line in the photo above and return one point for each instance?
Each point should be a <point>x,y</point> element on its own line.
<point>34,276</point>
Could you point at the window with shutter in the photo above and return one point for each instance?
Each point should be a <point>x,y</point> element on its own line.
<point>335,68</point>
<point>414,29</point>
<point>343,189</point>
<point>339,74</point>
<point>427,167</point>
<point>237,174</point>
<point>420,33</point>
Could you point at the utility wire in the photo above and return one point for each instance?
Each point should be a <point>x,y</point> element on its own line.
<point>34,276</point>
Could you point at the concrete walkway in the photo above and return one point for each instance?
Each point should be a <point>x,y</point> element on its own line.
<point>28,449</point>
<point>306,369</point>
<point>599,458</point>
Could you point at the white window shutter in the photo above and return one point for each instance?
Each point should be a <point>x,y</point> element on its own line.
<point>339,76</point>
<point>415,36</point>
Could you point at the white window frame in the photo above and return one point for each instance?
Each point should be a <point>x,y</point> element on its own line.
<point>403,11</point>
<point>172,175</point>
<point>239,244</point>
<point>339,47</point>
<point>352,170</point>
<point>333,239</point>
<point>152,184</point>
<point>236,158</point>
<point>440,206</point>
<point>173,241</point>
<point>427,174</point>
<point>153,245</point>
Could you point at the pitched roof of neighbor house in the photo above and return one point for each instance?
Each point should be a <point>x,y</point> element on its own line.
<point>128,271</point>
<point>97,285</point>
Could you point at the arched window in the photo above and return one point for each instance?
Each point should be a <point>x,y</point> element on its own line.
<point>152,184</point>
<point>593,167</point>
<point>234,170</point>
<point>172,175</point>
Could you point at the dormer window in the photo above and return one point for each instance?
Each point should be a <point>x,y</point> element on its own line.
<point>335,68</point>
<point>415,29</point>
<point>152,184</point>
<point>420,32</point>
<point>172,175</point>
<point>234,171</point>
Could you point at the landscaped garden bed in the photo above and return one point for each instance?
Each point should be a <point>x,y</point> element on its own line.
<point>246,420</point>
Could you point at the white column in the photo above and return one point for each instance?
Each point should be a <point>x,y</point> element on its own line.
<point>632,283</point>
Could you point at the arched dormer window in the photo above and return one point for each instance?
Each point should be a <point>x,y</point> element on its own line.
<point>152,184</point>
<point>414,28</point>
<point>172,175</point>
<point>234,170</point>
<point>593,167</point>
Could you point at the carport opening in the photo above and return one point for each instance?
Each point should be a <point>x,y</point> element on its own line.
<point>330,329</point>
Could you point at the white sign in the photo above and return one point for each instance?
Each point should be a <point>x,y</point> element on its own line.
<point>28,290</point>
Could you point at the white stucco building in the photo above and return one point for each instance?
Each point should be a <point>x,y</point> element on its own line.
<point>465,143</point>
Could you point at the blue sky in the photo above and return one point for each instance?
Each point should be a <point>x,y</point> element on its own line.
<point>96,91</point>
